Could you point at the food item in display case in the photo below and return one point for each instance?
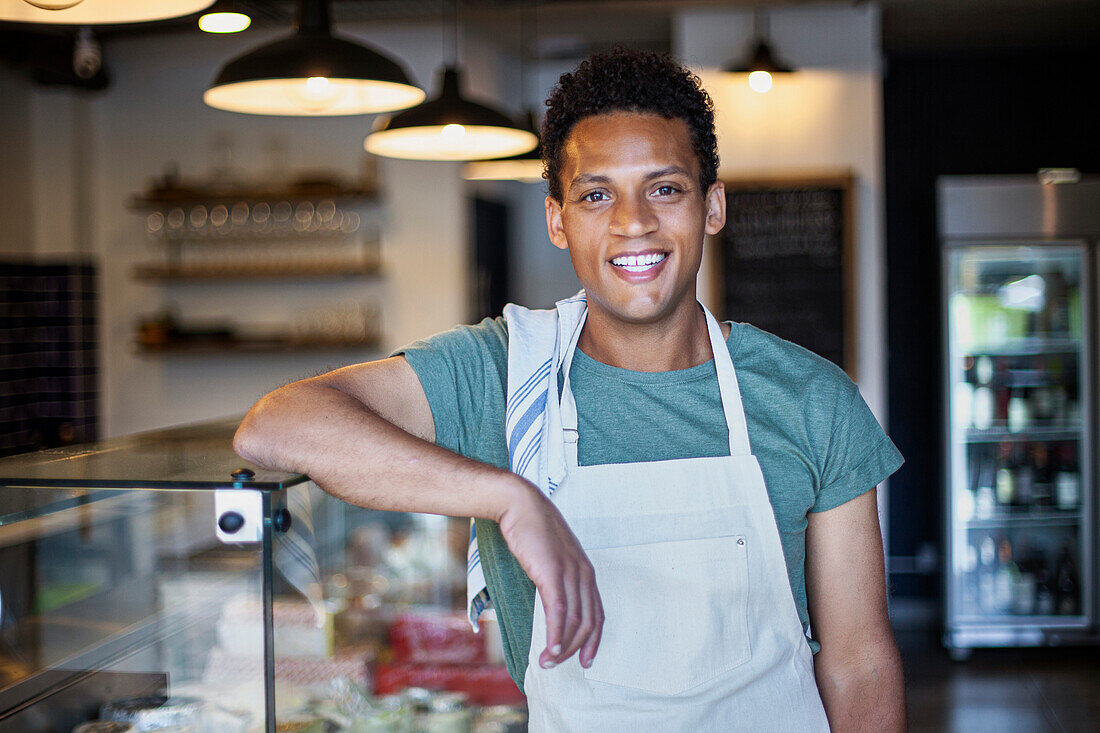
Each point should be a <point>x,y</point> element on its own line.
<point>484,684</point>
<point>299,632</point>
<point>104,726</point>
<point>155,713</point>
<point>1067,481</point>
<point>435,636</point>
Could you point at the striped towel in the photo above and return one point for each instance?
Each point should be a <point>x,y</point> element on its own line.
<point>538,342</point>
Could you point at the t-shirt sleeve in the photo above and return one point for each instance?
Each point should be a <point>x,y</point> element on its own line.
<point>458,369</point>
<point>860,455</point>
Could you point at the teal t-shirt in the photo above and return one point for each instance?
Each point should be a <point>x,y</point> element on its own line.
<point>817,442</point>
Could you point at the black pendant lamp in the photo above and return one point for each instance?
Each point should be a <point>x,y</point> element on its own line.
<point>761,62</point>
<point>449,126</point>
<point>312,73</point>
<point>525,167</point>
<point>95,12</point>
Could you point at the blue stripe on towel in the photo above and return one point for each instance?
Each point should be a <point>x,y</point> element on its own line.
<point>537,408</point>
<point>529,385</point>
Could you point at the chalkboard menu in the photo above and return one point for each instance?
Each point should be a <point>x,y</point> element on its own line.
<point>784,262</point>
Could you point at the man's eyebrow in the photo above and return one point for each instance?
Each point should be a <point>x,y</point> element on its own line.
<point>584,179</point>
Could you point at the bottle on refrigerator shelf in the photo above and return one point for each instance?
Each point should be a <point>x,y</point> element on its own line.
<point>985,500</point>
<point>1042,488</point>
<point>1067,481</point>
<point>1004,582</point>
<point>983,408</point>
<point>987,570</point>
<point>1005,480</point>
<point>1067,595</point>
<point>1025,586</point>
<point>1018,410</point>
<point>1022,473</point>
<point>1044,587</point>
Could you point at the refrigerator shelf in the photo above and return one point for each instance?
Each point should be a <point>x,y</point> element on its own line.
<point>1058,433</point>
<point>1026,346</point>
<point>1023,518</point>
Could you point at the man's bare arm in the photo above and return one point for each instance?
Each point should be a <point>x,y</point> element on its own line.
<point>858,669</point>
<point>363,434</point>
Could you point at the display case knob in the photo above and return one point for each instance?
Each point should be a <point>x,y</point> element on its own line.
<point>231,522</point>
<point>243,474</point>
<point>281,520</point>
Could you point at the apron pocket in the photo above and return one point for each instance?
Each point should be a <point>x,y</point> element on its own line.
<point>675,613</point>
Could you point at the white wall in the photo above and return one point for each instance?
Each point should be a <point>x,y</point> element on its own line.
<point>90,154</point>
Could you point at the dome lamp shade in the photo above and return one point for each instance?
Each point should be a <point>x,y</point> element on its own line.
<point>312,73</point>
<point>449,127</point>
<point>96,12</point>
<point>525,167</point>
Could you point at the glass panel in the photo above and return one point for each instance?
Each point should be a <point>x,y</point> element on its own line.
<point>195,456</point>
<point>126,587</point>
<point>378,637</point>
<point>1018,445</point>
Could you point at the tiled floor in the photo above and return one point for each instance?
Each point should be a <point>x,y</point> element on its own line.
<point>1047,690</point>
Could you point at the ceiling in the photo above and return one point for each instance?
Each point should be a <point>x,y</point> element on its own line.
<point>570,28</point>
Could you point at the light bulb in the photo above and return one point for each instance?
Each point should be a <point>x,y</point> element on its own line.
<point>315,94</point>
<point>452,132</point>
<point>760,81</point>
<point>224,22</point>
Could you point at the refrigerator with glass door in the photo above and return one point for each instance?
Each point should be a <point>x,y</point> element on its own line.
<point>1019,302</point>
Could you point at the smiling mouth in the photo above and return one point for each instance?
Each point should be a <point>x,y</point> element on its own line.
<point>639,263</point>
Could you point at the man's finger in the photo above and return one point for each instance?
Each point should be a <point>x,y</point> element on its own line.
<point>592,643</point>
<point>553,604</point>
<point>573,616</point>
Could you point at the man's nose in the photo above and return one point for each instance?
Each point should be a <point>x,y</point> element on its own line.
<point>632,217</point>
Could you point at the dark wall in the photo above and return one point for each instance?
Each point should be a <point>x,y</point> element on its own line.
<point>993,113</point>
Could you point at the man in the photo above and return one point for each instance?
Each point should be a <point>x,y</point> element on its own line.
<point>709,487</point>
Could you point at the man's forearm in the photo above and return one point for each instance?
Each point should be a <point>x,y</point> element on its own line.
<point>354,454</point>
<point>864,695</point>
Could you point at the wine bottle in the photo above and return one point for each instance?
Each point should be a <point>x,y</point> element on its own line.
<point>1005,480</point>
<point>1018,410</point>
<point>1026,583</point>
<point>1005,579</point>
<point>987,569</point>
<point>1067,481</point>
<point>1042,488</point>
<point>1067,594</point>
<point>985,500</point>
<point>1044,587</point>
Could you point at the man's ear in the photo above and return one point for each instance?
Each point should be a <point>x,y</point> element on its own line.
<point>716,207</point>
<point>553,223</point>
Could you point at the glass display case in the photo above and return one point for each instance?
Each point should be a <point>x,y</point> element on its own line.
<point>1019,376</point>
<point>160,582</point>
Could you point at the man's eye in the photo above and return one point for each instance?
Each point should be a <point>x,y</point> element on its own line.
<point>594,196</point>
<point>667,190</point>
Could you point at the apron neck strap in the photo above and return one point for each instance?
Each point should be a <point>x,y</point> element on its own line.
<point>727,387</point>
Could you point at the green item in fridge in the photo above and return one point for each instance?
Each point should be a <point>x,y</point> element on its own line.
<point>981,321</point>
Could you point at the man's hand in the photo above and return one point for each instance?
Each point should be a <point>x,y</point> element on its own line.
<point>553,559</point>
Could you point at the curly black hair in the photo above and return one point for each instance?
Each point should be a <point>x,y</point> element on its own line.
<point>625,80</point>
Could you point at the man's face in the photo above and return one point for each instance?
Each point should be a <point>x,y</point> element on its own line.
<point>632,214</point>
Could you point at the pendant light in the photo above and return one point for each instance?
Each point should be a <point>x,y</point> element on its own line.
<point>312,73</point>
<point>95,12</point>
<point>449,126</point>
<point>526,167</point>
<point>762,62</point>
<point>225,16</point>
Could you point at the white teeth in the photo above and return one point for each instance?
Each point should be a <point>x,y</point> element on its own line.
<point>638,263</point>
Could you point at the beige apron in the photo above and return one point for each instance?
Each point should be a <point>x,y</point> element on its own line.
<point>701,630</point>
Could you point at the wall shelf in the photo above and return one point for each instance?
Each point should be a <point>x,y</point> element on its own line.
<point>160,273</point>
